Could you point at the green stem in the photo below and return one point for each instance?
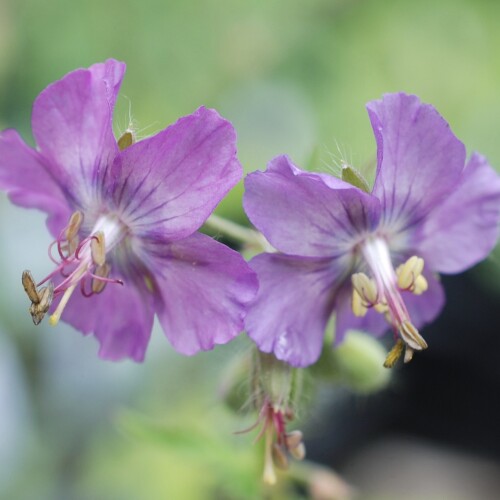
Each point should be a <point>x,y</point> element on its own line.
<point>239,233</point>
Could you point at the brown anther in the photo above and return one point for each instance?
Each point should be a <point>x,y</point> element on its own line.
<point>412,337</point>
<point>280,459</point>
<point>40,308</point>
<point>75,222</point>
<point>299,452</point>
<point>98,248</point>
<point>30,287</point>
<point>394,354</point>
<point>293,439</point>
<point>126,139</point>
<point>102,272</point>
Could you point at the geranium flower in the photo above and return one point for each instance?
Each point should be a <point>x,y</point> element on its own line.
<point>362,254</point>
<point>125,216</point>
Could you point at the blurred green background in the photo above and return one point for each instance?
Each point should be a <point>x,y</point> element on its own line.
<point>294,77</point>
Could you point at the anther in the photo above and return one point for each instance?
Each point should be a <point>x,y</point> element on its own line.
<point>102,272</point>
<point>358,307</point>
<point>411,336</point>
<point>98,248</point>
<point>126,139</point>
<point>408,354</point>
<point>365,287</point>
<point>279,457</point>
<point>30,287</point>
<point>38,310</point>
<point>293,439</point>
<point>299,452</point>
<point>74,224</point>
<point>394,354</point>
<point>409,272</point>
<point>420,285</point>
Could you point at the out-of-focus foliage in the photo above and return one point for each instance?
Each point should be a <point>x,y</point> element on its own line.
<point>293,76</point>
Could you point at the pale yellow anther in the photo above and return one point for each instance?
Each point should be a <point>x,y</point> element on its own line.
<point>102,272</point>
<point>358,307</point>
<point>408,272</point>
<point>98,248</point>
<point>412,337</point>
<point>126,139</point>
<point>381,307</point>
<point>420,285</point>
<point>75,222</point>
<point>365,287</point>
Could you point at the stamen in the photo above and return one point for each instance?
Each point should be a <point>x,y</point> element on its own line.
<point>412,337</point>
<point>30,287</point>
<point>100,272</point>
<point>279,457</point>
<point>358,307</point>
<point>74,225</point>
<point>408,272</point>
<point>38,310</point>
<point>98,248</point>
<point>365,287</point>
<point>394,354</point>
<point>408,354</point>
<point>298,452</point>
<point>126,139</point>
<point>420,286</point>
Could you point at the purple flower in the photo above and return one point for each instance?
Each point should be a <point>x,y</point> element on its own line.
<point>362,254</point>
<point>125,217</point>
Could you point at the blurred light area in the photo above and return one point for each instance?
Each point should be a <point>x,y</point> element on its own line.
<point>16,430</point>
<point>399,467</point>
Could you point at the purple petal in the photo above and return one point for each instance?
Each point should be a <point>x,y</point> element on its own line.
<point>293,305</point>
<point>203,288</point>
<point>425,308</point>
<point>300,214</point>
<point>170,183</point>
<point>121,318</point>
<point>419,159</point>
<point>24,177</point>
<point>464,228</point>
<point>72,125</point>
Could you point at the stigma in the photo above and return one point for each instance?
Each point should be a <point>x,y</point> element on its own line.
<point>80,262</point>
<point>383,292</point>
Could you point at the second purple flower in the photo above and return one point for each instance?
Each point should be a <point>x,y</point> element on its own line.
<point>370,257</point>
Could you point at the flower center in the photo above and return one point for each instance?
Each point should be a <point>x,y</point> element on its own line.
<point>78,262</point>
<point>383,293</point>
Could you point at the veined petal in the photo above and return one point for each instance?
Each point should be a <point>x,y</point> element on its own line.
<point>463,229</point>
<point>202,290</point>
<point>171,182</point>
<point>419,159</point>
<point>120,317</point>
<point>28,183</point>
<point>300,214</point>
<point>72,126</point>
<point>293,305</point>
